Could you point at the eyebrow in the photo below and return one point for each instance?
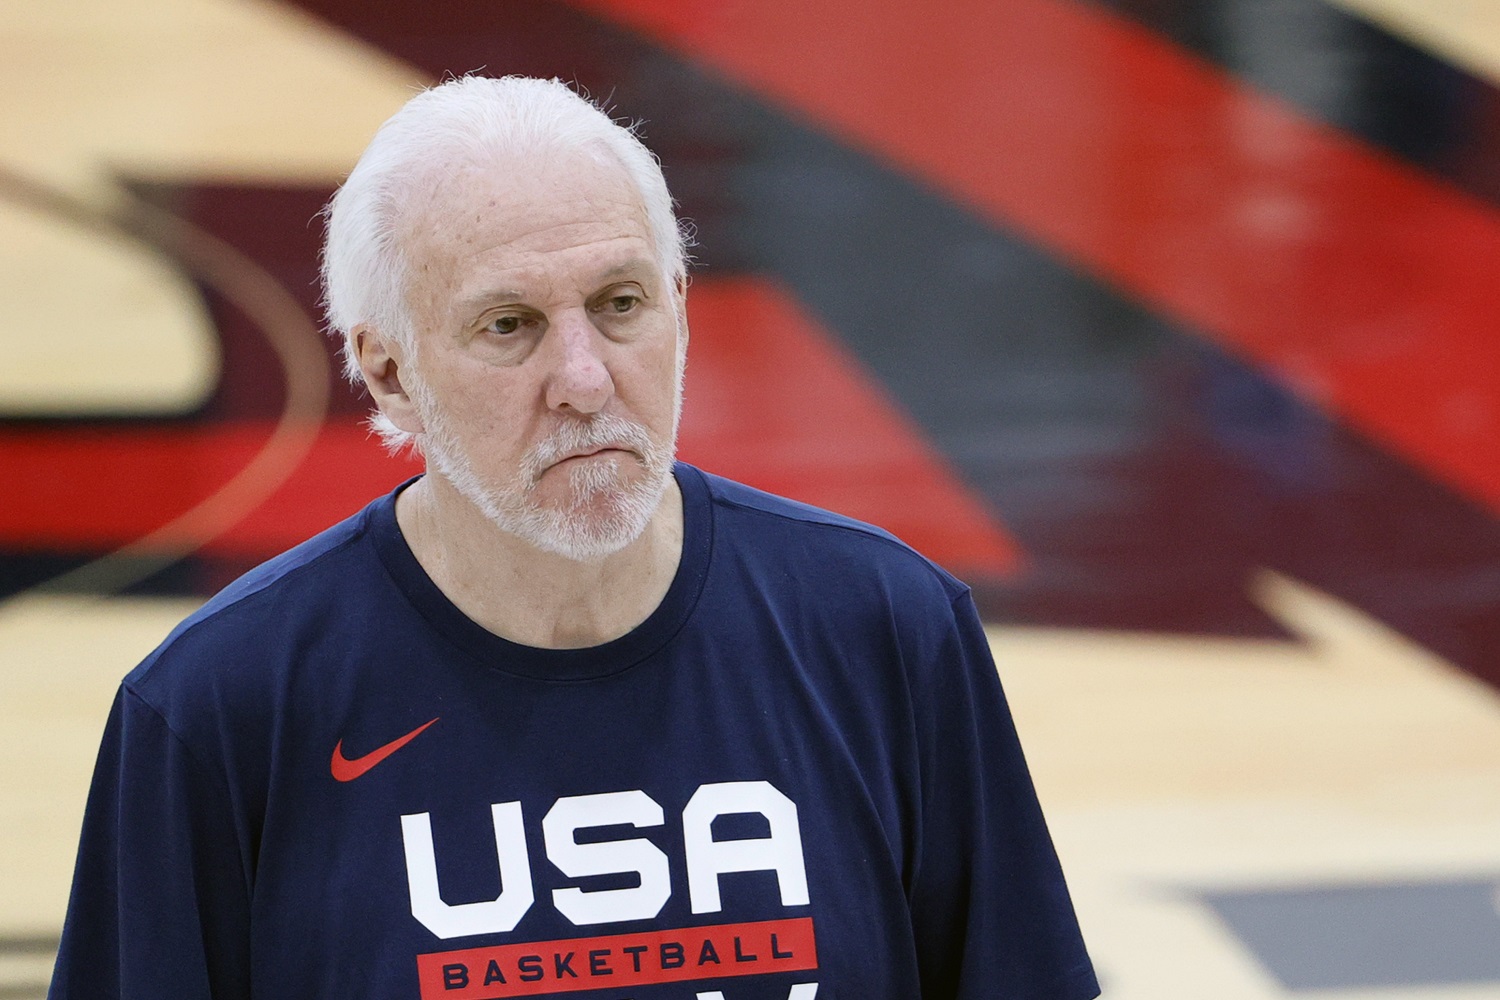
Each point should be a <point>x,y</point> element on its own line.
<point>483,299</point>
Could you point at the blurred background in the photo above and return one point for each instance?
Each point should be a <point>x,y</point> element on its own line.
<point>1170,325</point>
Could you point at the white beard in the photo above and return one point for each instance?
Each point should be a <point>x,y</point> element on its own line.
<point>605,512</point>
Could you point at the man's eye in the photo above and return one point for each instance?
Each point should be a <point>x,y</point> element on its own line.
<point>504,324</point>
<point>623,303</point>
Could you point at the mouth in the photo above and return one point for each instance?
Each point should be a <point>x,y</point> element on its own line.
<point>591,448</point>
<point>603,451</point>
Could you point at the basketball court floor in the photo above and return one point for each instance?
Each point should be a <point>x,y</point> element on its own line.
<point>1169,325</point>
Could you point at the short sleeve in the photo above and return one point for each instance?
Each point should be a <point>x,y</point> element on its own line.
<point>990,908</point>
<point>160,900</point>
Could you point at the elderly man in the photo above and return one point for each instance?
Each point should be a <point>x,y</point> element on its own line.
<point>559,715</point>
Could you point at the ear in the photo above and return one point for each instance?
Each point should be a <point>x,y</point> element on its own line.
<point>682,323</point>
<point>381,362</point>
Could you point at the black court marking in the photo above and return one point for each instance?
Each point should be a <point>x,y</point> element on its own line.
<point>26,946</point>
<point>1346,72</point>
<point>1440,933</point>
<point>29,944</point>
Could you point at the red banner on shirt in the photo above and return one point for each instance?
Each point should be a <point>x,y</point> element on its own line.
<point>619,961</point>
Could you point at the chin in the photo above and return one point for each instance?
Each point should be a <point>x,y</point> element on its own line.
<point>602,509</point>
<point>597,522</point>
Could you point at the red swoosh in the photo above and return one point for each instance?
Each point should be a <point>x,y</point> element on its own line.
<point>345,769</point>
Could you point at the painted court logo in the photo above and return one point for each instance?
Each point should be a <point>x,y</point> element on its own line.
<point>617,961</point>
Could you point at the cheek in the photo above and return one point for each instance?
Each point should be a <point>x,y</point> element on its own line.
<point>484,413</point>
<point>657,384</point>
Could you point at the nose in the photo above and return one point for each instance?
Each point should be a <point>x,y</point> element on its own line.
<point>580,380</point>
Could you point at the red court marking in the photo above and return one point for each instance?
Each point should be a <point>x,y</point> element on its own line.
<point>771,401</point>
<point>86,489</point>
<point>1368,287</point>
<point>774,401</point>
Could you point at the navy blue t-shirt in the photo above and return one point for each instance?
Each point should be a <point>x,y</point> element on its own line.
<point>796,780</point>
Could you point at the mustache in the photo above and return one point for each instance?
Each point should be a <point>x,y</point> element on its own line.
<point>599,431</point>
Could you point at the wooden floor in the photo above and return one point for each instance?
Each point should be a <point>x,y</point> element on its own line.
<point>1175,770</point>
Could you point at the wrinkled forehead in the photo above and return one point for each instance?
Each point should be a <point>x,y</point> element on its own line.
<point>460,194</point>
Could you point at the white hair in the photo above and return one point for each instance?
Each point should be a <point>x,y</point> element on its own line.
<point>483,119</point>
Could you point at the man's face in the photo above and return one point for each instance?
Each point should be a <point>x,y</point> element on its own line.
<point>548,362</point>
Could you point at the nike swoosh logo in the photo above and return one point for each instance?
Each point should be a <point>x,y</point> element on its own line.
<point>345,769</point>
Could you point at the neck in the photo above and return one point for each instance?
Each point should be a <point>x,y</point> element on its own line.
<point>524,594</point>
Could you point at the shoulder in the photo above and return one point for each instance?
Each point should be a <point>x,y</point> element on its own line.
<point>813,531</point>
<point>307,566</point>
<point>232,645</point>
<point>825,555</point>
